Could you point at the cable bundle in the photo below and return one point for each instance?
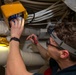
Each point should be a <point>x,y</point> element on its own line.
<point>53,8</point>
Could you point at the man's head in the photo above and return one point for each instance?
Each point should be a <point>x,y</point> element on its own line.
<point>64,35</point>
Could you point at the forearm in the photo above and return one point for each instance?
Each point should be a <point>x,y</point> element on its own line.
<point>42,51</point>
<point>15,64</point>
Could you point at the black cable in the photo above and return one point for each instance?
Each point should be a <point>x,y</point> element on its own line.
<point>32,18</point>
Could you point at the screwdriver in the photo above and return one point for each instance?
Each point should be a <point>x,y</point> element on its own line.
<point>35,41</point>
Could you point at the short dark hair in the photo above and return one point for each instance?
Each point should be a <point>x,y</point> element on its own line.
<point>67,33</point>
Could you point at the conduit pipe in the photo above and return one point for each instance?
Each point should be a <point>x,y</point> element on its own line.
<point>27,31</point>
<point>30,59</point>
<point>4,28</point>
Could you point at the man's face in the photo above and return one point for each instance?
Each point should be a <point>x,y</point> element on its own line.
<point>52,48</point>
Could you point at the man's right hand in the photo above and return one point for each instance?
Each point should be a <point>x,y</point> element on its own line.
<point>33,38</point>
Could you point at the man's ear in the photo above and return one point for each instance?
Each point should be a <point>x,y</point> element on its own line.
<point>64,54</point>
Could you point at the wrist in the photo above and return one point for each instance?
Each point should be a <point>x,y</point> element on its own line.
<point>15,39</point>
<point>38,44</point>
<point>15,36</point>
<point>35,42</point>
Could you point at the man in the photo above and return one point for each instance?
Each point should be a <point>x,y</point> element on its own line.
<point>61,49</point>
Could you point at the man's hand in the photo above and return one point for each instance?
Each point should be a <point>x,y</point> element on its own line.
<point>33,38</point>
<point>17,26</point>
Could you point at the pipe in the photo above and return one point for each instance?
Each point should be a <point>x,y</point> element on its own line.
<point>4,30</point>
<point>4,50</point>
<point>29,31</point>
<point>30,58</point>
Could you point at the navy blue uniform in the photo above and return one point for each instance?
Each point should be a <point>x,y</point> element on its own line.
<point>67,71</point>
